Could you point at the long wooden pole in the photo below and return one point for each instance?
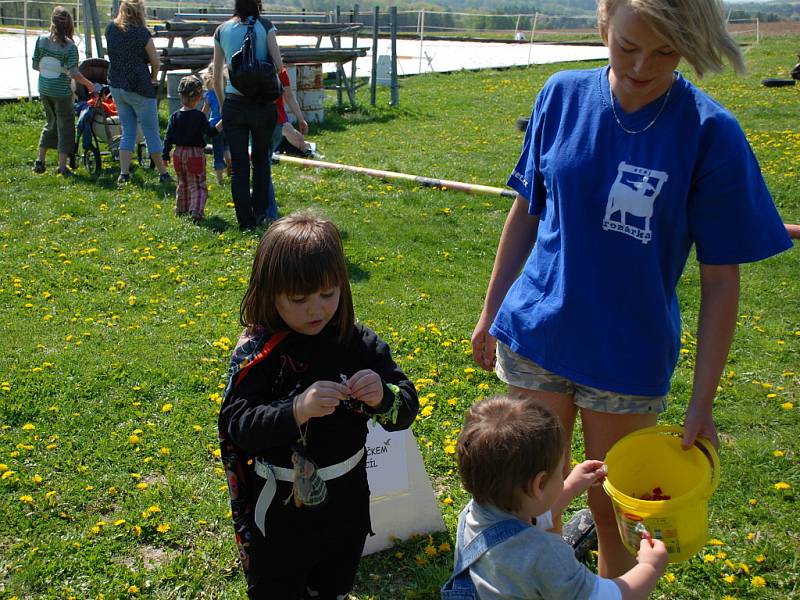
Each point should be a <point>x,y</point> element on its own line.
<point>445,184</point>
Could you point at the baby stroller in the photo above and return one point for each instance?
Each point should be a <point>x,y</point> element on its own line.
<point>98,122</point>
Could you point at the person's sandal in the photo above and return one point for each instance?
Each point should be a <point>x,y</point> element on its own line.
<point>165,178</point>
<point>38,166</point>
<point>65,172</point>
<point>123,178</point>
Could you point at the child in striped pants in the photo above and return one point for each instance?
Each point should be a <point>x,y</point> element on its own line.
<point>186,130</point>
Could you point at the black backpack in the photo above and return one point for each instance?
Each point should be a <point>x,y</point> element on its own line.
<point>254,78</point>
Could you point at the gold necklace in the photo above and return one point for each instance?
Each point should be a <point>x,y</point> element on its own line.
<point>651,123</point>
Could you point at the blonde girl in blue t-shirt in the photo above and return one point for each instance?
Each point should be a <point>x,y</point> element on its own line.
<point>625,168</point>
<point>56,59</point>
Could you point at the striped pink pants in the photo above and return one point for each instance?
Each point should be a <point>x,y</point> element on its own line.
<point>192,192</point>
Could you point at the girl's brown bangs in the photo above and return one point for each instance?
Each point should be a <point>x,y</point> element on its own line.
<point>308,273</point>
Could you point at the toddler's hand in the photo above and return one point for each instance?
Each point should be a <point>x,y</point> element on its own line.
<point>653,552</point>
<point>320,399</point>
<point>366,385</point>
<point>585,475</point>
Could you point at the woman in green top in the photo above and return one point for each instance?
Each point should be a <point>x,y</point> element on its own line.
<point>56,59</point>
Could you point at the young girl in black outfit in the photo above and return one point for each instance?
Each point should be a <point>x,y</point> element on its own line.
<point>304,381</point>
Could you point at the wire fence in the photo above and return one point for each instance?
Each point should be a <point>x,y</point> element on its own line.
<point>34,16</point>
<point>423,22</point>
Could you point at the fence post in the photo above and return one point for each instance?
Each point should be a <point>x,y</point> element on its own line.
<point>87,29</point>
<point>25,41</point>
<point>354,20</point>
<point>758,32</point>
<point>533,33</point>
<point>516,26</point>
<point>98,39</point>
<point>373,80</point>
<point>421,37</point>
<point>393,26</point>
<point>338,44</point>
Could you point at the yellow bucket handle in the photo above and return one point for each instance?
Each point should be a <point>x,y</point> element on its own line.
<point>703,444</point>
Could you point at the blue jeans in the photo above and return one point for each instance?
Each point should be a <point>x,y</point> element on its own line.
<point>272,203</point>
<point>218,146</point>
<point>137,111</point>
<point>243,120</point>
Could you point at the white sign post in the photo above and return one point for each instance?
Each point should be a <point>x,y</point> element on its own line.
<point>402,500</point>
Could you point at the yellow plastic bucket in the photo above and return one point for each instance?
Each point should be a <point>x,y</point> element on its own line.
<point>652,458</point>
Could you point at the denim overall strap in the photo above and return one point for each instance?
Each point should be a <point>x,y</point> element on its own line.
<point>460,586</point>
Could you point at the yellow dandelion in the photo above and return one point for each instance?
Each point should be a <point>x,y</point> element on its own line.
<point>758,582</point>
<point>450,449</point>
<point>133,439</point>
<point>669,577</point>
<point>3,467</point>
<point>447,501</point>
<point>744,568</point>
<point>782,485</point>
<point>132,589</point>
<point>137,531</point>
<point>729,579</point>
<point>761,559</point>
<point>787,406</point>
<point>399,555</point>
<point>36,479</point>
<point>777,453</point>
<point>445,547</point>
<point>163,528</point>
<point>430,550</point>
<point>715,542</point>
<point>142,485</point>
<point>427,410</point>
<point>709,558</point>
<point>752,502</point>
<point>197,428</point>
<point>728,597</point>
<point>166,407</point>
<point>164,451</point>
<point>28,427</point>
<point>26,499</point>
<point>420,560</point>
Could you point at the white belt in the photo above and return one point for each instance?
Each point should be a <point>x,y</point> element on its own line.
<point>272,474</point>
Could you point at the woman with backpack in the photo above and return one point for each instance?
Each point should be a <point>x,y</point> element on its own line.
<point>247,118</point>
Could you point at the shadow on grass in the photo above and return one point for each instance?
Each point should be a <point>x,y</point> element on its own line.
<point>341,119</point>
<point>215,224</point>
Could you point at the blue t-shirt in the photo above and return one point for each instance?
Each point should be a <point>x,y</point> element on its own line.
<point>214,108</point>
<point>128,61</point>
<point>596,301</point>
<point>230,36</point>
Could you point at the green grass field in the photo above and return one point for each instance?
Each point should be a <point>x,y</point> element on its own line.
<point>117,320</point>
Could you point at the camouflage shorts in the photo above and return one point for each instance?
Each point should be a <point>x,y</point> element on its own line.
<point>518,371</point>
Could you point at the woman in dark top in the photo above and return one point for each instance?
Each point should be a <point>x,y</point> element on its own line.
<point>245,119</point>
<point>133,85</point>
